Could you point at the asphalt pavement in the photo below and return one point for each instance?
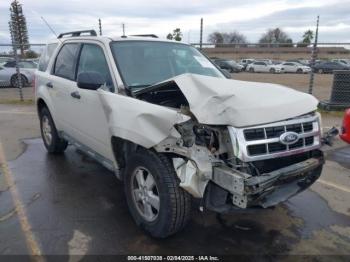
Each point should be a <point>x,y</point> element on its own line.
<point>69,205</point>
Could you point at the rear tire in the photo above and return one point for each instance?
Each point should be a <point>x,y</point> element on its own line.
<point>156,201</point>
<point>53,143</point>
<point>320,71</point>
<point>14,81</point>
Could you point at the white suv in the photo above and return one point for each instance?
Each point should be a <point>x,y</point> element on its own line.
<point>167,122</point>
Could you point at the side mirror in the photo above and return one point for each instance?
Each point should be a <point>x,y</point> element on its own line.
<point>226,73</point>
<point>90,80</point>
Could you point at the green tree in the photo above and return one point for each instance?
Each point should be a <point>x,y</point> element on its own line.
<point>18,27</point>
<point>31,54</point>
<point>169,36</point>
<point>308,36</point>
<point>176,35</point>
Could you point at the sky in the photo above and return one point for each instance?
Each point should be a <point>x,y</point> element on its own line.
<point>250,17</point>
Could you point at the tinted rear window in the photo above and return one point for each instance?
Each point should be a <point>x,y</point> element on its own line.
<point>45,57</point>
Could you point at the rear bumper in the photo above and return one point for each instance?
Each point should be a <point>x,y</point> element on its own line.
<point>231,191</point>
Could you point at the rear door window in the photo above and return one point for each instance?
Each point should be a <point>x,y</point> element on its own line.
<point>45,57</point>
<point>66,61</point>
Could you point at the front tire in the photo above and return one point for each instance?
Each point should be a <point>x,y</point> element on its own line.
<point>156,201</point>
<point>251,70</point>
<point>53,143</point>
<point>272,71</point>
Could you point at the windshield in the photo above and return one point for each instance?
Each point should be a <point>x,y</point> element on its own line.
<point>144,63</point>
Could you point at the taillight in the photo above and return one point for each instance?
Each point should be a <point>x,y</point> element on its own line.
<point>345,130</point>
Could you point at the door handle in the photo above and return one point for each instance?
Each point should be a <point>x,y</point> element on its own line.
<point>75,94</point>
<point>49,84</point>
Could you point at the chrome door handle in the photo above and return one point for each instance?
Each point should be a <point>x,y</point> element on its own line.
<point>49,84</point>
<point>75,94</point>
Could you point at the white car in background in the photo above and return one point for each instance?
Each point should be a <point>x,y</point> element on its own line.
<point>264,67</point>
<point>294,67</point>
<point>9,77</point>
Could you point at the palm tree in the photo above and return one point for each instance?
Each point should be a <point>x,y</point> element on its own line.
<point>308,36</point>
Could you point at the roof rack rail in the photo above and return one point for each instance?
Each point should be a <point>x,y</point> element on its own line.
<point>147,35</point>
<point>78,33</point>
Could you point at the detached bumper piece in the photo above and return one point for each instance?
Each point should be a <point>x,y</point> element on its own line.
<point>232,190</point>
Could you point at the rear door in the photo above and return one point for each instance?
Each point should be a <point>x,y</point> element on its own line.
<point>288,67</point>
<point>62,84</point>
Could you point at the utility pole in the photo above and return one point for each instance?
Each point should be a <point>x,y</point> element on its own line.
<point>201,35</point>
<point>100,26</point>
<point>313,58</point>
<point>123,25</point>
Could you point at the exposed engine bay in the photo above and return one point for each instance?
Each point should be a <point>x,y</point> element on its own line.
<point>224,149</point>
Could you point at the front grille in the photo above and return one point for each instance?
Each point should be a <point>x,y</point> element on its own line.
<point>267,138</point>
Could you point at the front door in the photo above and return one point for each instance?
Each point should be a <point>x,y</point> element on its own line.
<point>88,117</point>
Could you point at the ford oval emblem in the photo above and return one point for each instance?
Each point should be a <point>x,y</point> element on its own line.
<point>289,138</point>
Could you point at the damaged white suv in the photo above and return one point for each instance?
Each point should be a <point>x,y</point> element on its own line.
<point>170,125</point>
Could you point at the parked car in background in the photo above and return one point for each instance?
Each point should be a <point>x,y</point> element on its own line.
<point>269,61</point>
<point>9,77</point>
<point>342,61</point>
<point>246,62</point>
<point>264,67</point>
<point>294,67</point>
<point>4,59</point>
<point>329,67</point>
<point>229,65</point>
<point>299,61</point>
<point>28,65</point>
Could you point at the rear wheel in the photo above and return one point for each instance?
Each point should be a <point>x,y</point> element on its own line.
<point>156,201</point>
<point>15,82</point>
<point>53,143</point>
<point>320,71</point>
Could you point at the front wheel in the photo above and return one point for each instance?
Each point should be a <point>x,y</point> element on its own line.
<point>156,201</point>
<point>272,70</point>
<point>53,143</point>
<point>251,70</point>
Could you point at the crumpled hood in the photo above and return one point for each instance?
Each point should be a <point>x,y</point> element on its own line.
<point>221,101</point>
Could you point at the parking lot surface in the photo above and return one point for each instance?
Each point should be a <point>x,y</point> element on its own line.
<point>75,206</point>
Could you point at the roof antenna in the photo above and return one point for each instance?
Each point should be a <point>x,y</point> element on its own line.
<point>52,31</point>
